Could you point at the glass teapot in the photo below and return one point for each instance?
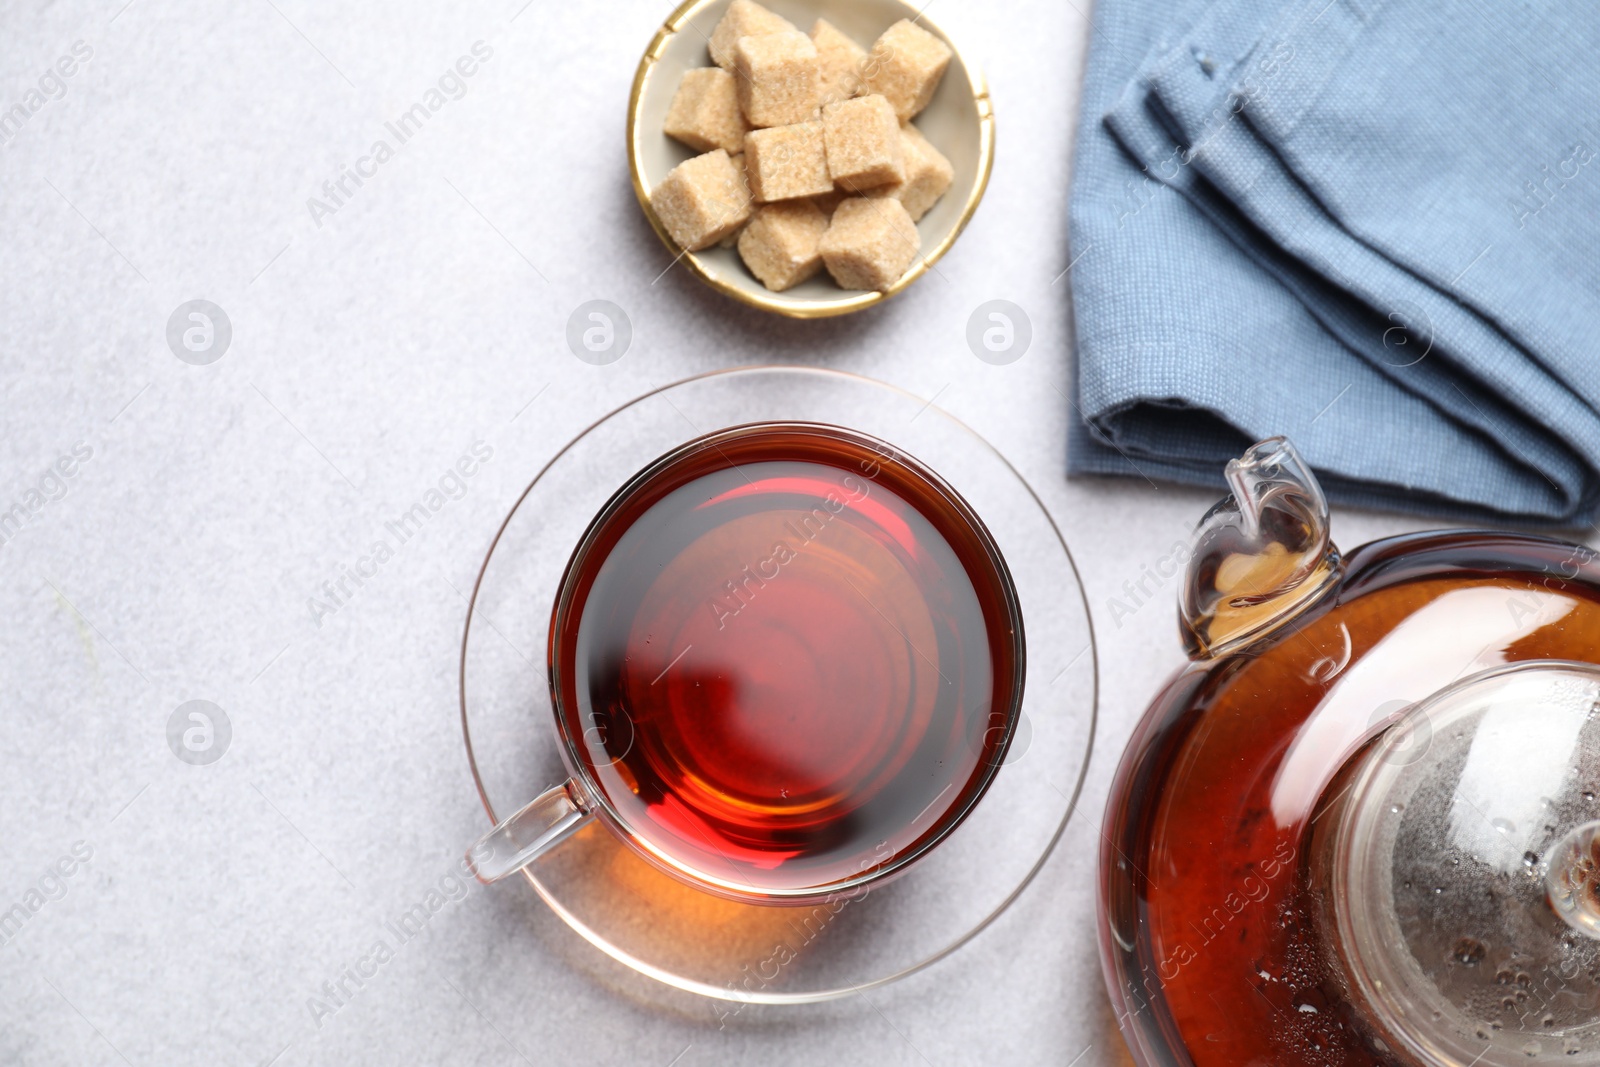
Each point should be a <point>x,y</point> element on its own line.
<point>1360,826</point>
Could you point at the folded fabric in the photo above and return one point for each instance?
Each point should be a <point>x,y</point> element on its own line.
<point>1312,220</point>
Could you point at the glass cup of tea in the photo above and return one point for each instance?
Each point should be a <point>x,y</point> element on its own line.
<point>786,660</point>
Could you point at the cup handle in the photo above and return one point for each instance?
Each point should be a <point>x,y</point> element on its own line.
<point>530,833</point>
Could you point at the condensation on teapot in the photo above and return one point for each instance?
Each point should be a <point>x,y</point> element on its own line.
<point>1446,874</point>
<point>1262,556</point>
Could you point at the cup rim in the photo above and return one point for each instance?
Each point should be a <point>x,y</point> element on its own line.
<point>846,302</point>
<point>596,797</point>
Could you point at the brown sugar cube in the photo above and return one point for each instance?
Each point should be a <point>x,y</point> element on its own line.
<point>827,202</point>
<point>744,19</point>
<point>779,78</point>
<point>840,60</point>
<point>870,243</point>
<point>744,191</point>
<point>705,112</point>
<point>905,65</point>
<point>742,174</point>
<point>786,162</point>
<point>702,200</point>
<point>864,144</point>
<point>780,244</point>
<point>928,175</point>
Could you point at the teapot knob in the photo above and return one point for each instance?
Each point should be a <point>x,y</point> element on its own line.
<point>1573,879</point>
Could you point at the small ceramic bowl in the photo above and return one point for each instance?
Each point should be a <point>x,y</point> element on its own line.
<point>958,121</point>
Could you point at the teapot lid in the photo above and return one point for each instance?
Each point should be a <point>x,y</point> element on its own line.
<point>1465,872</point>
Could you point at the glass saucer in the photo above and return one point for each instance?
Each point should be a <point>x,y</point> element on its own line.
<point>777,954</point>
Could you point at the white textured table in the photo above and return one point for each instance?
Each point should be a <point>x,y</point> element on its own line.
<point>373,344</point>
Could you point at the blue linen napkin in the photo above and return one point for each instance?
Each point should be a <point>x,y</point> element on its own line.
<point>1269,215</point>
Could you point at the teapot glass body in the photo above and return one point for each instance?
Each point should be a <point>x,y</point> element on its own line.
<point>1216,899</point>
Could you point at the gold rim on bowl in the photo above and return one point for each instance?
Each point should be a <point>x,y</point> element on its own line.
<point>846,302</point>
